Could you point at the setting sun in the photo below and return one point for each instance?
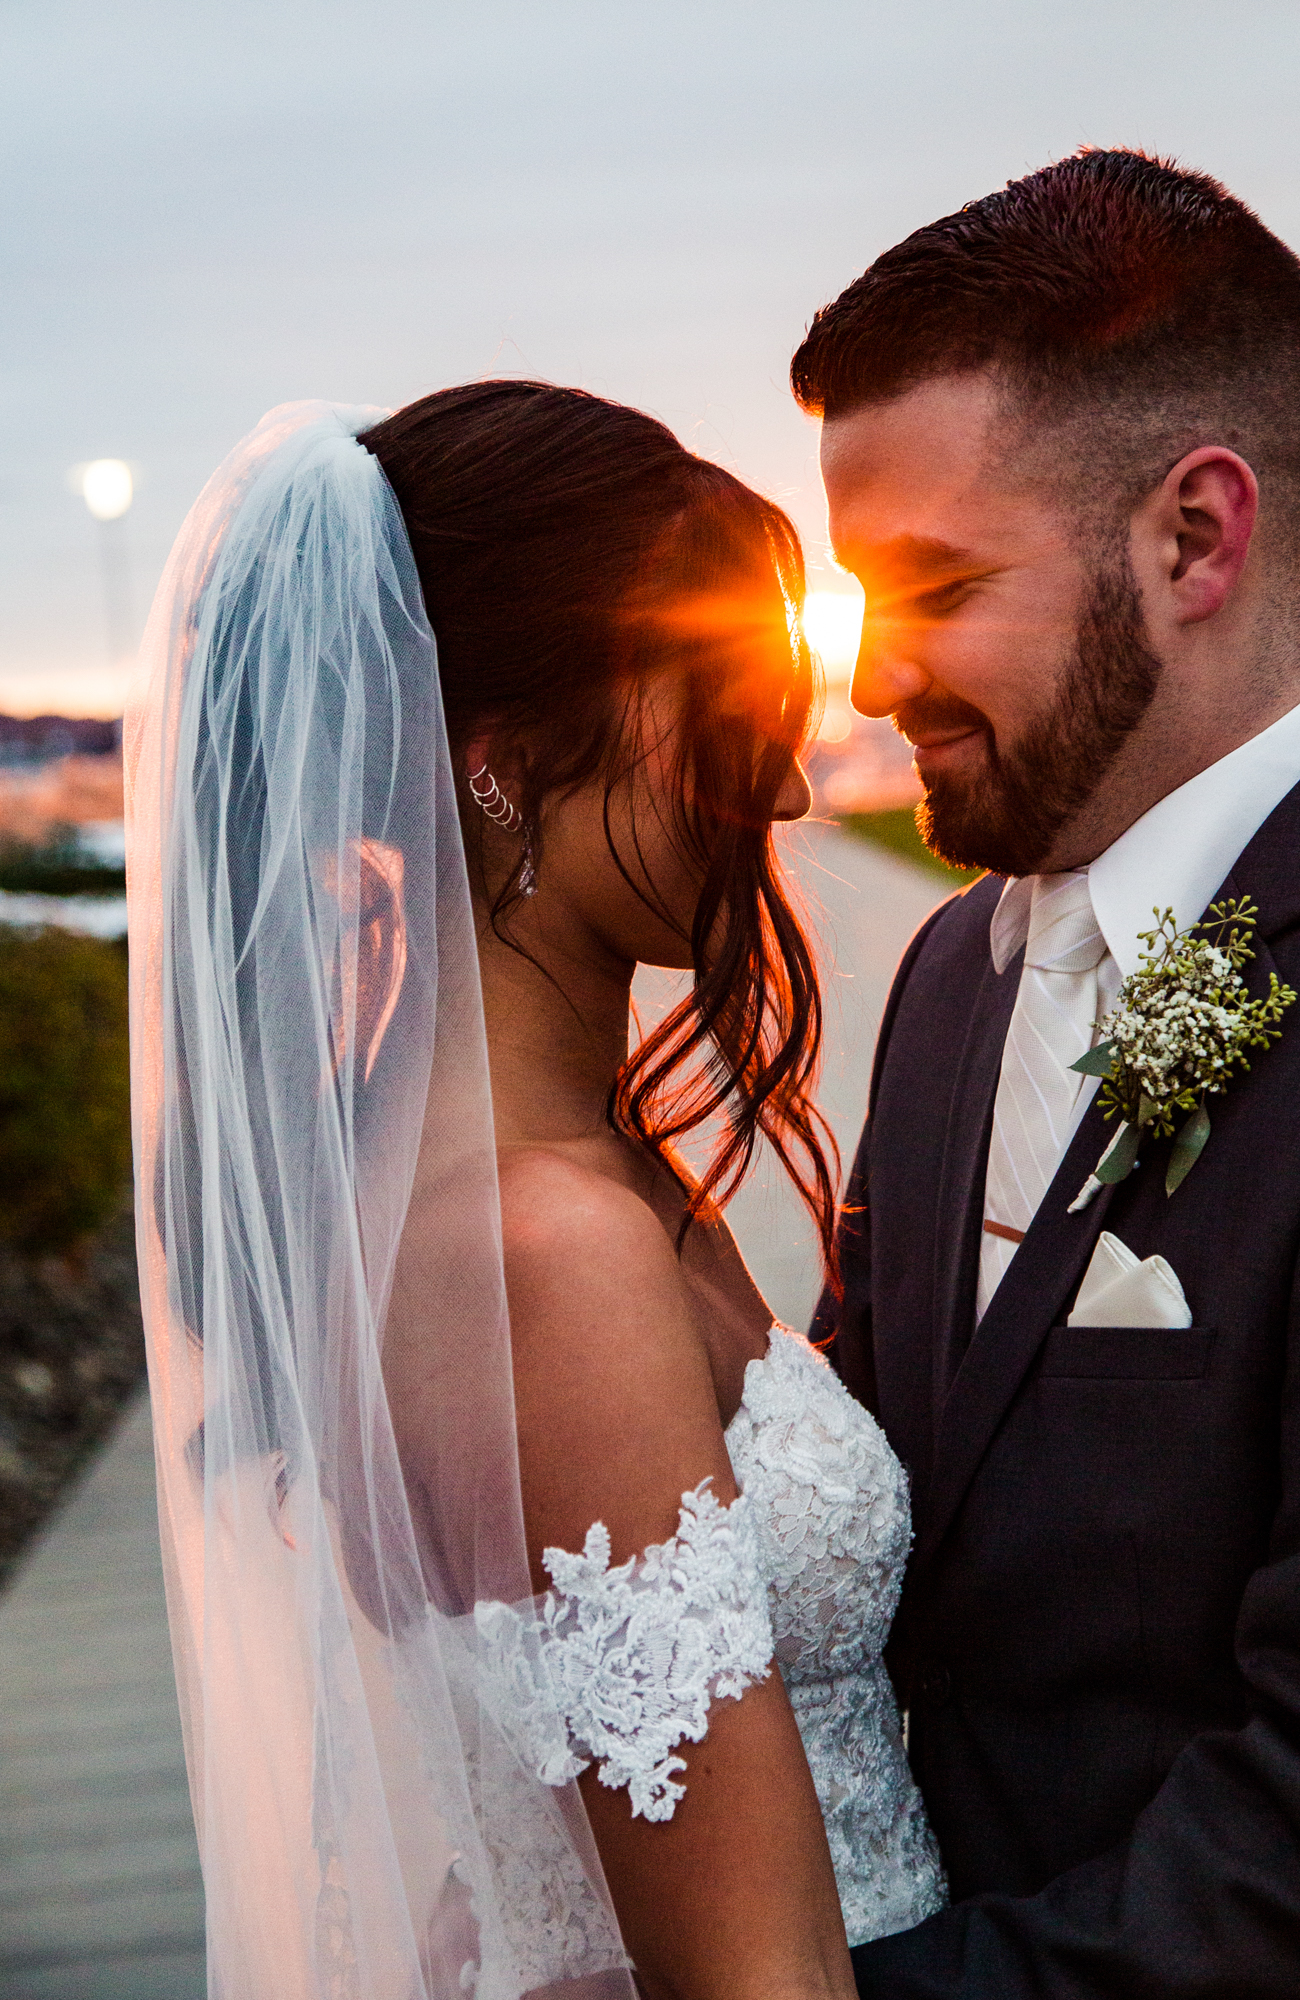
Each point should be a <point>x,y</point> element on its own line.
<point>832,620</point>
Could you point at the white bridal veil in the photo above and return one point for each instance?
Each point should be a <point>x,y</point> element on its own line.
<point>321,1272</point>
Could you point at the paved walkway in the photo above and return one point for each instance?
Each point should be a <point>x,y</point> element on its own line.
<point>100,1895</point>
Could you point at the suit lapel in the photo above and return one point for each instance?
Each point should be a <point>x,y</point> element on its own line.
<point>961,1179</point>
<point>1023,1309</point>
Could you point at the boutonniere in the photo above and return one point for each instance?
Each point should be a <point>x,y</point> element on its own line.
<point>1181,1024</point>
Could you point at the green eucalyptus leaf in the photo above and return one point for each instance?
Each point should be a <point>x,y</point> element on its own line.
<point>1097,1062</point>
<point>1187,1148</point>
<point>1116,1163</point>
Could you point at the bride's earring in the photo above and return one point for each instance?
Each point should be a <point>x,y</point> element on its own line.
<point>488,794</point>
<point>493,800</point>
<point>528,873</point>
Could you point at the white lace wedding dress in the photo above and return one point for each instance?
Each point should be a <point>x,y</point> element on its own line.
<point>834,1528</point>
<point>804,1567</point>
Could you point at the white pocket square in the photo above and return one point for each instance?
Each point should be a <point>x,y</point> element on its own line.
<point>1120,1289</point>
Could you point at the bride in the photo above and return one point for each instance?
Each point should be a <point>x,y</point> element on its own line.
<point>515,1647</point>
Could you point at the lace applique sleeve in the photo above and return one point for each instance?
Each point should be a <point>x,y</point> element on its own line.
<point>635,1655</point>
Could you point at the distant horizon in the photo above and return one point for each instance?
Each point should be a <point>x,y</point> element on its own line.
<point>101,694</point>
<point>73,694</point>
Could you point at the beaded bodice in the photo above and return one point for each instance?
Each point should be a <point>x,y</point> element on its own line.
<point>831,1515</point>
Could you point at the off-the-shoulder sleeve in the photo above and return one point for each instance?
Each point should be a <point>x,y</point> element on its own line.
<point>635,1655</point>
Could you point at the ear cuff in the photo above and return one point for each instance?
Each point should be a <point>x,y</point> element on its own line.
<point>488,794</point>
<point>494,801</point>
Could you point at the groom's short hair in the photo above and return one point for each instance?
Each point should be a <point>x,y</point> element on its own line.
<point>1127,304</point>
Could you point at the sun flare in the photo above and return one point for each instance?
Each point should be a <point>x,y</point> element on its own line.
<point>832,619</point>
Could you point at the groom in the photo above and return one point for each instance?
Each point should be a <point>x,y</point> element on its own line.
<point>1061,445</point>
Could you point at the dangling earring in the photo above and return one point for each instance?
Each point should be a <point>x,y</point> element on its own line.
<point>501,813</point>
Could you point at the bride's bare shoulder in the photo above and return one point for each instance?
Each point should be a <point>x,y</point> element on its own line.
<point>568,1224</point>
<point>616,1407</point>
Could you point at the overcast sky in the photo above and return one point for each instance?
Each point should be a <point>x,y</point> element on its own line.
<point>210,210</point>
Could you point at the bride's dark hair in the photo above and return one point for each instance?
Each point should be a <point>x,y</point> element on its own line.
<point>569,549</point>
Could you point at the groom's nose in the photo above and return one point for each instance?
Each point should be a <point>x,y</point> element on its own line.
<point>884,676</point>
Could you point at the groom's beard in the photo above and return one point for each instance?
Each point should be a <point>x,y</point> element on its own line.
<point>1008,816</point>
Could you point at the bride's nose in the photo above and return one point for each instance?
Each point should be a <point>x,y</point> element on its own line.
<point>794,800</point>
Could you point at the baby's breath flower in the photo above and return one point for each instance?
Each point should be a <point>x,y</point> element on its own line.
<point>1181,1023</point>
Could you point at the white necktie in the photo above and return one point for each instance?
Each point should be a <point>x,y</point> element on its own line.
<point>1051,1026</point>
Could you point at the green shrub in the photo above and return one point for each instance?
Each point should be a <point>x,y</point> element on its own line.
<point>896,830</point>
<point>59,867</point>
<point>65,1127</point>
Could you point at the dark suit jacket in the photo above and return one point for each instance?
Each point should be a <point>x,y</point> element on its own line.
<point>1099,1638</point>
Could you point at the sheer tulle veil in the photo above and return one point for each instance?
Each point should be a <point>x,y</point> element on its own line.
<point>321,1271</point>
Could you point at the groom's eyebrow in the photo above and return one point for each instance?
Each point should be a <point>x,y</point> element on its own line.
<point>906,560</point>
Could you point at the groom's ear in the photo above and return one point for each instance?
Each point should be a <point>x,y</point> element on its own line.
<point>1192,536</point>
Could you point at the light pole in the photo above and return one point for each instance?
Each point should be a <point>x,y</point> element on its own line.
<point>108,489</point>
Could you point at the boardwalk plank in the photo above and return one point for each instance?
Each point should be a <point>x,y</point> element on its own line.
<point>100,1892</point>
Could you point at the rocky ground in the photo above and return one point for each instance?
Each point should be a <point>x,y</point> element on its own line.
<point>71,1351</point>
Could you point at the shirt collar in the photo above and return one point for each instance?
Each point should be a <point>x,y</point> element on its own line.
<point>1177,854</point>
<point>1009,926</point>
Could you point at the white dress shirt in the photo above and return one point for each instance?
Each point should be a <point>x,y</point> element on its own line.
<point>1175,857</point>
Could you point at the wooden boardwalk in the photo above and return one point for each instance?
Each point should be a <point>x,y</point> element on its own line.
<point>100,1893</point>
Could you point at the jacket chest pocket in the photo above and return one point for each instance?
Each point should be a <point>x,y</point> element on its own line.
<point>1127,1353</point>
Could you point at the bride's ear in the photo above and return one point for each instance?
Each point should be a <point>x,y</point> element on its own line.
<point>477,757</point>
<point>495,776</point>
<point>492,783</point>
<point>494,755</point>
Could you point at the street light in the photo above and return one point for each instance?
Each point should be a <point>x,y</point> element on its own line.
<point>107,487</point>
